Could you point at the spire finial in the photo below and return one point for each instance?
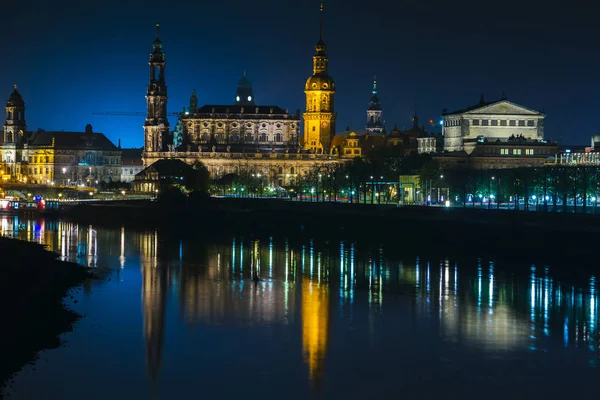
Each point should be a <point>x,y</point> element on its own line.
<point>321,22</point>
<point>374,84</point>
<point>157,31</point>
<point>15,86</point>
<point>481,101</point>
<point>503,95</point>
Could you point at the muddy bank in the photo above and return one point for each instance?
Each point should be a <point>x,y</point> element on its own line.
<point>33,284</point>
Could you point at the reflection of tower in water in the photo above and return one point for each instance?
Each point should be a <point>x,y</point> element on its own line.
<point>315,327</point>
<point>154,297</point>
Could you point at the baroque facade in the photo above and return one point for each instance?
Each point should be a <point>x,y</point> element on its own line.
<point>320,117</point>
<point>62,158</point>
<point>244,137</point>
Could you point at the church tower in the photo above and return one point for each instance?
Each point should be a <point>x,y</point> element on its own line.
<point>374,122</point>
<point>14,123</point>
<point>319,118</point>
<point>156,128</point>
<point>243,94</point>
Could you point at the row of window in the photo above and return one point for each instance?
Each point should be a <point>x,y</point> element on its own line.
<point>516,152</point>
<point>89,159</point>
<point>502,122</point>
<point>220,138</point>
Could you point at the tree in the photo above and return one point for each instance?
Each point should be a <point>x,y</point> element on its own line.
<point>197,178</point>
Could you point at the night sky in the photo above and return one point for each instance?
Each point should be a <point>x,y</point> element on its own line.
<point>72,58</point>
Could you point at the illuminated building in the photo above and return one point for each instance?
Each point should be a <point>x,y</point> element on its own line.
<point>62,158</point>
<point>131,164</point>
<point>233,139</point>
<point>491,121</point>
<point>374,119</point>
<point>319,118</point>
<point>498,134</point>
<point>315,326</point>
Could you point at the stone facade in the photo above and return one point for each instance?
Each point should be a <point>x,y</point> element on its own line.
<point>500,155</point>
<point>62,158</point>
<point>320,117</point>
<point>496,120</point>
<point>244,138</point>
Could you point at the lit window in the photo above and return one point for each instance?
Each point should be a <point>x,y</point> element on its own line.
<point>237,98</point>
<point>504,152</point>
<point>249,98</point>
<point>529,152</point>
<point>516,152</point>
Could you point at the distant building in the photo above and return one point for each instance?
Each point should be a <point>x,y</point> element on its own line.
<point>161,174</point>
<point>374,112</point>
<point>432,143</point>
<point>491,121</point>
<point>131,164</point>
<point>243,137</point>
<point>498,154</point>
<point>54,157</point>
<point>498,134</point>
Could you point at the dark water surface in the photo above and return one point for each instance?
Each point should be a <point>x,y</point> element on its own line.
<point>182,319</point>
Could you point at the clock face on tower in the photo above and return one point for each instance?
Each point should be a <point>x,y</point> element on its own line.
<point>324,124</point>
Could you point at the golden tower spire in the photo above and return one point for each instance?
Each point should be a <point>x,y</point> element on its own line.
<point>319,118</point>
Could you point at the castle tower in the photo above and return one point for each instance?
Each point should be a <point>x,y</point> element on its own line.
<point>156,127</point>
<point>319,118</point>
<point>374,122</point>
<point>243,94</point>
<point>14,123</point>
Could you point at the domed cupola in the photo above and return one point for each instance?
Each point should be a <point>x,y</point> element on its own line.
<point>15,99</point>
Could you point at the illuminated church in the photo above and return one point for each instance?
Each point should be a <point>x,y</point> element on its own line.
<point>244,137</point>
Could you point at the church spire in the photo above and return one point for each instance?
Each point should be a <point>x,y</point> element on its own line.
<point>321,23</point>
<point>374,85</point>
<point>320,58</point>
<point>374,112</point>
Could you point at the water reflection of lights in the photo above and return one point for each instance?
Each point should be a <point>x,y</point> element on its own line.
<point>315,327</point>
<point>477,305</point>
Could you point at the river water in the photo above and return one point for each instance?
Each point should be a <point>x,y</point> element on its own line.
<point>174,318</point>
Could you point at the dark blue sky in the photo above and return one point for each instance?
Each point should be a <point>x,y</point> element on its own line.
<point>73,58</point>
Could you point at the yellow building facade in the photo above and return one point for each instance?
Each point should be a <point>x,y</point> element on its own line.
<point>319,118</point>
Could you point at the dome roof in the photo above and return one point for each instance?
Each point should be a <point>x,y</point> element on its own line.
<point>320,47</point>
<point>320,82</point>
<point>15,98</point>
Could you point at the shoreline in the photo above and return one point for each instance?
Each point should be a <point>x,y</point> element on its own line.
<point>486,232</point>
<point>34,284</point>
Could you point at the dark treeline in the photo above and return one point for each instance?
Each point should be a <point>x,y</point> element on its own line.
<point>557,188</point>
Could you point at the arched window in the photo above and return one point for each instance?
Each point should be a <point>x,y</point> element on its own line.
<point>292,170</point>
<point>280,170</point>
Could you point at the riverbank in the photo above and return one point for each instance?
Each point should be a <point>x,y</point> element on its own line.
<point>33,286</point>
<point>443,230</point>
